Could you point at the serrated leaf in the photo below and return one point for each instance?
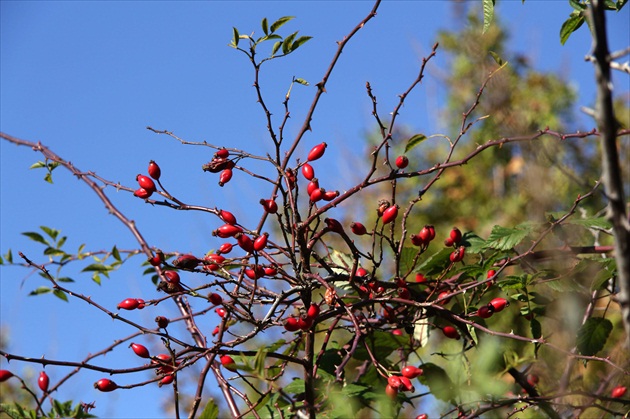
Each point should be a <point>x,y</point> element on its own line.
<point>276,47</point>
<point>598,222</point>
<point>503,238</point>
<point>211,411</point>
<point>36,237</point>
<point>280,22</point>
<point>511,283</point>
<point>435,263</point>
<point>407,256</point>
<point>353,390</point>
<point>438,381</point>
<point>414,141</point>
<point>488,14</point>
<point>570,25</point>
<point>301,81</point>
<point>299,42</point>
<point>286,45</point>
<point>40,290</point>
<point>236,36</point>
<point>265,26</point>
<point>496,57</point>
<point>593,334</point>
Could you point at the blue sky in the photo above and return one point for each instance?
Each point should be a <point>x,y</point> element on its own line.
<point>86,78</point>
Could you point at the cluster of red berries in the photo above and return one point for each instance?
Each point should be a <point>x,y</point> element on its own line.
<point>494,306</point>
<point>424,236</point>
<point>313,189</point>
<point>304,321</point>
<point>221,163</point>
<point>131,304</point>
<point>402,382</point>
<point>147,186</point>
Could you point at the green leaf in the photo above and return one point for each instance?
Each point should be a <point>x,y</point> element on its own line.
<point>64,279</point>
<point>48,178</point>
<point>38,165</point>
<point>536,328</point>
<point>488,14</point>
<point>96,278</point>
<point>259,361</point>
<point>620,4</point>
<point>51,251</point>
<point>577,5</point>
<point>301,81</point>
<point>97,267</point>
<point>296,386</point>
<point>438,381</point>
<point>353,390</point>
<point>299,42</point>
<point>280,22</point>
<point>436,263</point>
<point>276,47</point>
<point>575,20</point>
<point>36,237</point>
<point>40,290</point>
<point>211,411</point>
<point>496,57</point>
<point>236,37</point>
<point>597,222</point>
<point>593,334</point>
<point>52,233</point>
<point>414,141</point>
<point>503,238</point>
<point>9,257</point>
<point>265,26</point>
<point>382,344</point>
<point>407,256</point>
<point>62,241</point>
<point>286,45</point>
<point>60,294</point>
<point>116,254</point>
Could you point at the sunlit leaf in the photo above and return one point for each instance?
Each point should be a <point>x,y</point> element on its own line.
<point>211,411</point>
<point>438,381</point>
<point>52,233</point>
<point>36,237</point>
<point>488,14</point>
<point>496,57</point>
<point>38,165</point>
<point>236,37</point>
<point>295,387</point>
<point>61,295</point>
<point>571,25</point>
<point>278,23</point>
<point>276,47</point>
<point>301,81</point>
<point>299,42</point>
<point>116,254</point>
<point>286,45</point>
<point>593,334</point>
<point>265,26</point>
<point>414,141</point>
<point>503,238</point>
<point>40,290</point>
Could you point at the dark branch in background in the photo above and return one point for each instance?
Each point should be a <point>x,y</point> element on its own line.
<point>611,166</point>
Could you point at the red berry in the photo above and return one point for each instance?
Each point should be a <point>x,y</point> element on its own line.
<point>291,179</point>
<point>313,311</point>
<point>403,292</point>
<point>215,331</point>
<point>358,228</point>
<point>532,379</point>
<point>141,303</point>
<point>140,350</point>
<point>261,242</point>
<point>361,272</point>
<point>154,170</point>
<point>422,416</point>
<point>186,262</point>
<point>225,176</point>
<point>390,214</point>
<point>444,297</point>
<point>215,299</point>
<point>225,248</point>
<point>220,311</point>
<point>227,216</point>
<point>128,304</point>
<point>291,324</point>
<point>227,230</point>
<point>316,152</point>
<point>228,362</point>
<point>402,162</point>
<point>245,242</point>
<point>105,385</point>
<point>618,392</point>
<point>161,321</point>
<point>455,235</point>
<point>5,375</point>
<point>222,153</point>
<point>146,183</point>
<point>308,172</point>
<point>491,273</point>
<point>406,384</point>
<point>449,242</point>
<point>142,193</point>
<point>416,240</point>
<point>157,259</point>
<point>172,277</point>
<point>411,372</point>
<point>450,332</point>
<point>317,195</point>
<point>270,270</point>
<point>397,332</point>
<point>485,312</point>
<point>391,392</point>
<point>333,225</point>
<point>312,185</point>
<point>330,195</point>
<point>269,205</point>
<point>427,233</point>
<point>458,254</point>
<point>305,322</point>
<point>43,381</point>
<point>420,278</point>
<point>255,272</point>
<point>167,379</point>
<point>499,304</point>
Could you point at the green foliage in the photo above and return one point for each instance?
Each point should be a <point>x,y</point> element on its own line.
<point>593,335</point>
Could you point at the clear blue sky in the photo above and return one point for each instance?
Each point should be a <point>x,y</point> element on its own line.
<point>86,78</point>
